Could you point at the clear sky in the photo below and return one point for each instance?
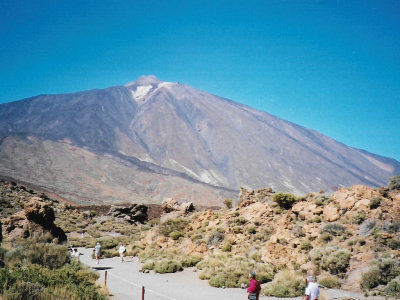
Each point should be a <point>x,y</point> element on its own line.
<point>332,66</point>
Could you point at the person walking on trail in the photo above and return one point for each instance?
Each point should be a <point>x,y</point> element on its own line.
<point>121,251</point>
<point>254,287</point>
<point>97,250</point>
<point>312,290</point>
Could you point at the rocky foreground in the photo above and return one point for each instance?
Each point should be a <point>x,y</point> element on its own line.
<point>350,239</point>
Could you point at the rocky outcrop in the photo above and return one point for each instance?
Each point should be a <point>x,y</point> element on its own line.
<point>135,213</point>
<point>247,197</point>
<point>37,218</point>
<point>172,209</point>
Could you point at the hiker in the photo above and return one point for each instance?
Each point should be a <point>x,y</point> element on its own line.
<point>312,290</point>
<point>121,251</point>
<point>254,287</point>
<point>76,253</point>
<point>97,250</point>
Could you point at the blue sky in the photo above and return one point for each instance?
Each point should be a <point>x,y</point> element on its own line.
<point>332,66</point>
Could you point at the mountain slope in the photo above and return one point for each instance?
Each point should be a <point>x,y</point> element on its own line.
<point>172,130</point>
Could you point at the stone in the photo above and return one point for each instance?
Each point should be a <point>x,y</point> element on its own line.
<point>331,213</point>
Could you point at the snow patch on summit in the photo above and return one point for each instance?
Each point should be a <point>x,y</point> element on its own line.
<point>141,91</point>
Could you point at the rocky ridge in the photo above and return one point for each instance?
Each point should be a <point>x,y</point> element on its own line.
<point>331,236</point>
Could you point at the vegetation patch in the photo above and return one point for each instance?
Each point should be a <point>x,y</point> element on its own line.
<point>286,284</point>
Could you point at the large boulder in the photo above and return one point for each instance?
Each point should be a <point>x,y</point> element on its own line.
<point>132,214</point>
<point>36,218</point>
<point>172,209</point>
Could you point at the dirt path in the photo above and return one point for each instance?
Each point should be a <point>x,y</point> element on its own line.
<point>125,282</point>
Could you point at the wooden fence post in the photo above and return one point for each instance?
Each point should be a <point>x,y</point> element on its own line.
<point>142,292</point>
<point>105,278</point>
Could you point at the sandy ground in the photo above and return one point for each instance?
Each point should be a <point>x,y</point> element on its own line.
<point>124,281</point>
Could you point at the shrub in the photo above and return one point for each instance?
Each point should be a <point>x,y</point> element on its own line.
<point>298,231</point>
<point>168,266</point>
<point>71,281</point>
<point>263,235</point>
<point>227,247</point>
<point>329,281</point>
<point>325,237</point>
<point>332,259</point>
<point>228,203</point>
<point>171,225</point>
<point>394,183</point>
<point>381,272</point>
<point>285,284</point>
<point>237,229</point>
<point>334,229</point>
<point>224,271</point>
<point>215,237</point>
<point>306,245</point>
<point>175,235</point>
<point>393,244</point>
<point>33,251</point>
<point>251,229</point>
<point>107,242</point>
<point>190,261</point>
<point>358,218</point>
<point>393,288</point>
<point>285,201</point>
<point>375,202</point>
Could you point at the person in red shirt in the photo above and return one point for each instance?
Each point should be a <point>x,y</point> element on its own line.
<point>254,287</point>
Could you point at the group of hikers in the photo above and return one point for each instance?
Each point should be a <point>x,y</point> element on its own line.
<point>311,292</point>
<point>97,251</point>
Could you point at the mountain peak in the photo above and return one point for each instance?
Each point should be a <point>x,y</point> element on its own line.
<point>145,80</point>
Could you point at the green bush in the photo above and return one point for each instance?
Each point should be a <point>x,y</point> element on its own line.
<point>71,281</point>
<point>325,237</point>
<point>333,259</point>
<point>358,218</point>
<point>285,201</point>
<point>393,288</point>
<point>329,281</point>
<point>171,225</point>
<point>306,246</point>
<point>263,234</point>
<point>375,202</point>
<point>175,235</point>
<point>286,284</point>
<point>381,272</point>
<point>394,183</point>
<point>334,229</point>
<point>215,237</point>
<point>168,266</point>
<point>227,247</point>
<point>228,203</point>
<point>33,251</point>
<point>251,229</point>
<point>107,242</point>
<point>225,271</point>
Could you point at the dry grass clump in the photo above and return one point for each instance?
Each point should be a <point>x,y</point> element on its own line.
<point>226,271</point>
<point>286,283</point>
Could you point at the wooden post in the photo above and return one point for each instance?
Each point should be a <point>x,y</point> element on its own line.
<point>142,292</point>
<point>105,278</point>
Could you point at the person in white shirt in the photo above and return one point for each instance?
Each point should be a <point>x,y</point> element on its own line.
<point>97,250</point>
<point>312,290</point>
<point>121,251</point>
